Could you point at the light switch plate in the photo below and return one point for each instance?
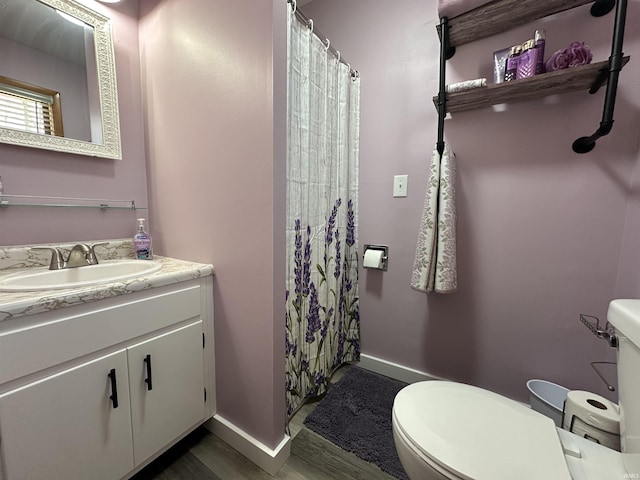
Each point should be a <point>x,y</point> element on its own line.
<point>400,185</point>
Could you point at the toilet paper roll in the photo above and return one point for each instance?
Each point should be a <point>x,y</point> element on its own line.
<point>373,259</point>
<point>593,417</point>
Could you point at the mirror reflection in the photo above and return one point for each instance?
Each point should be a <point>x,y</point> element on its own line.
<point>50,55</point>
<point>55,92</point>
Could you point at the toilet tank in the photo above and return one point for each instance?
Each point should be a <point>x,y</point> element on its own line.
<point>624,315</point>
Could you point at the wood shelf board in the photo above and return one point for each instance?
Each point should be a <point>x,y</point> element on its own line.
<point>502,15</point>
<point>538,86</point>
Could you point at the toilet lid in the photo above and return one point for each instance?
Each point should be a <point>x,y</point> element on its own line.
<point>477,434</point>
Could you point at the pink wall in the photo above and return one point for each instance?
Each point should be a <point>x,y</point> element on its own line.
<point>28,171</point>
<point>539,228</point>
<point>209,102</point>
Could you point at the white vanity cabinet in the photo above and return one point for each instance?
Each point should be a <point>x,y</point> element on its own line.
<point>96,391</point>
<point>64,427</point>
<point>166,388</point>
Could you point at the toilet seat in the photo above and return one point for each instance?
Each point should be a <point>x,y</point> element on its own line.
<point>475,434</point>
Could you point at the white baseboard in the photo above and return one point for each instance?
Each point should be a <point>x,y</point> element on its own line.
<point>270,460</point>
<point>393,370</point>
<point>399,372</point>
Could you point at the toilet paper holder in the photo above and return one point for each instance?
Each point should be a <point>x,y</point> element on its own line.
<point>385,255</point>
<point>607,333</point>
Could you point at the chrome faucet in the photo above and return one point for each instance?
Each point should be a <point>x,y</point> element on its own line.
<point>57,261</point>
<point>80,255</point>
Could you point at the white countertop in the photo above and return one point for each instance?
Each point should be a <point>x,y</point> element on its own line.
<point>22,258</point>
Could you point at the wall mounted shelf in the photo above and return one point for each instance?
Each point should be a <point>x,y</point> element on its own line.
<point>538,86</point>
<point>502,15</point>
<point>66,202</point>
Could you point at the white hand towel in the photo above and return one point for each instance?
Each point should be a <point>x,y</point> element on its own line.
<point>435,265</point>
<point>466,85</point>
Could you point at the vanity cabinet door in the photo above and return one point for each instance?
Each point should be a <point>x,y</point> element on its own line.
<point>167,388</point>
<point>66,426</point>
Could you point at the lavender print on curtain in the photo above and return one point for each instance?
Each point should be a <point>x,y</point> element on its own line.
<point>322,309</point>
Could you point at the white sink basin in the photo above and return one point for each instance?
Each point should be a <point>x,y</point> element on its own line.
<point>45,279</point>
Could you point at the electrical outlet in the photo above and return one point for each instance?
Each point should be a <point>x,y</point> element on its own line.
<point>400,185</point>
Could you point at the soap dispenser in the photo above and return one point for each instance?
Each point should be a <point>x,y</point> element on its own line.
<point>142,242</point>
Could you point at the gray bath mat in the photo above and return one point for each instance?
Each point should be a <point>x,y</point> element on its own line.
<point>355,415</point>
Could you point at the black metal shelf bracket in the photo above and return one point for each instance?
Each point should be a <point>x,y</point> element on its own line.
<point>602,7</point>
<point>446,52</point>
<point>586,144</point>
<point>600,80</point>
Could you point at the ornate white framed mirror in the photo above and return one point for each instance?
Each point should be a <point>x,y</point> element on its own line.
<point>65,48</point>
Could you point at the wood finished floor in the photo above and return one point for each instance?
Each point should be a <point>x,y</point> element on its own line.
<point>203,456</point>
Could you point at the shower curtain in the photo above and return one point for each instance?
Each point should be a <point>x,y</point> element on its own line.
<point>322,310</point>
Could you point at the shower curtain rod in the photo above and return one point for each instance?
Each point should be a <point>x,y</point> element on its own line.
<point>309,23</point>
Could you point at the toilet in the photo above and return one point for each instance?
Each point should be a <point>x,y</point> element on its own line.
<point>452,431</point>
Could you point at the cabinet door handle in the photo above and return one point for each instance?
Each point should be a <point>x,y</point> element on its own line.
<point>147,380</point>
<point>114,388</point>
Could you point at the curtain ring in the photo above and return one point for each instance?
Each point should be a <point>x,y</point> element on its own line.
<point>295,5</point>
<point>328,44</point>
<point>310,25</point>
<point>338,56</point>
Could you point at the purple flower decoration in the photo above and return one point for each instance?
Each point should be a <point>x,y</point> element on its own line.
<point>336,272</point>
<point>287,343</point>
<point>350,224</point>
<point>348,284</point>
<point>313,317</point>
<point>306,266</point>
<point>297,269</point>
<point>332,222</point>
<point>356,345</point>
<point>576,54</point>
<point>290,348</point>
